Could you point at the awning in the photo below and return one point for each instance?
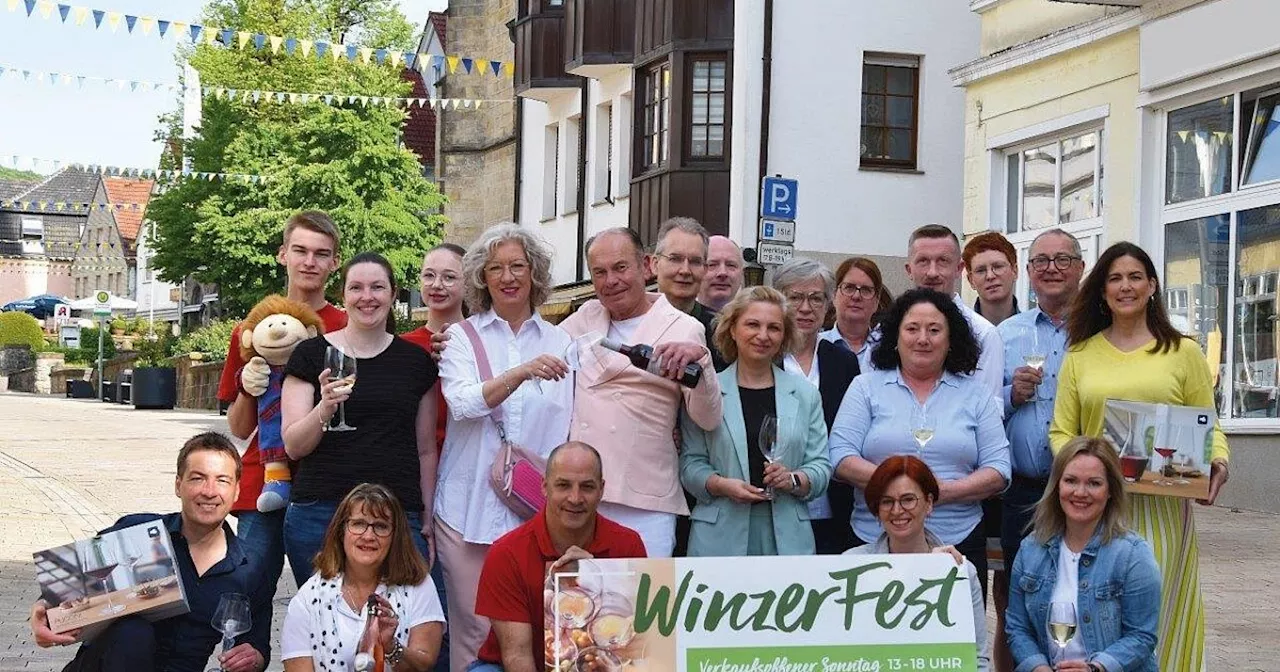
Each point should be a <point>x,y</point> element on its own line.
<point>565,299</point>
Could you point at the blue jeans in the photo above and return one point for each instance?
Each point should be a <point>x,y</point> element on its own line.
<point>481,666</point>
<point>262,537</point>
<point>1019,504</point>
<point>126,645</point>
<point>304,526</point>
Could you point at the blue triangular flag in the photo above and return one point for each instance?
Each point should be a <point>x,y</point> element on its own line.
<point>279,97</point>
<point>2,68</point>
<point>80,81</point>
<point>259,40</point>
<point>322,48</point>
<point>162,26</point>
<point>380,56</point>
<point>133,86</point>
<point>496,66</point>
<point>195,32</point>
<point>257,95</point>
<point>228,37</point>
<point>351,52</point>
<point>63,11</point>
<point>409,59</point>
<point>328,99</point>
<point>31,6</point>
<point>97,18</point>
<point>289,45</point>
<point>231,94</point>
<point>466,65</point>
<point>130,21</point>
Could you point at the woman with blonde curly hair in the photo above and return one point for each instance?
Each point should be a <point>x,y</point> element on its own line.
<point>528,399</point>
<point>750,503</point>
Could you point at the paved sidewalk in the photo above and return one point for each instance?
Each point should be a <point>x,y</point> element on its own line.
<point>70,467</point>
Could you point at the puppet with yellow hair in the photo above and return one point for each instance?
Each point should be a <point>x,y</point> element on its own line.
<point>267,337</point>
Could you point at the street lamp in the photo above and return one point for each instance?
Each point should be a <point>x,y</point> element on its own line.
<point>752,273</point>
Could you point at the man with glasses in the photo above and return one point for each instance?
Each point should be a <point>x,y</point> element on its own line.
<point>1037,336</point>
<point>679,261</point>
<point>991,265</point>
<point>724,273</point>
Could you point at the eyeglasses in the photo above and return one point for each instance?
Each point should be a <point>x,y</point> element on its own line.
<point>997,268</point>
<point>680,260</point>
<point>518,269</point>
<point>816,299</point>
<point>447,279</point>
<point>861,291</point>
<point>1062,262</point>
<point>358,527</point>
<point>907,502</point>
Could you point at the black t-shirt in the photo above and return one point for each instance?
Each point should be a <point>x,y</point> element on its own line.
<point>755,405</point>
<point>383,408</point>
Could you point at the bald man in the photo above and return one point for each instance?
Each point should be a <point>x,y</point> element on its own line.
<point>566,530</point>
<point>723,278</point>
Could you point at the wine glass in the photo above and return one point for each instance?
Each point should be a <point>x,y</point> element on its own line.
<point>1062,627</point>
<point>921,428</point>
<point>341,366</point>
<point>232,619</point>
<point>574,352</point>
<point>768,444</point>
<point>99,563</point>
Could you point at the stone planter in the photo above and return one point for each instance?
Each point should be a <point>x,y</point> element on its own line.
<point>154,387</point>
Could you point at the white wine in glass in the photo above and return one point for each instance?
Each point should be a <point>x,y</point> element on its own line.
<point>1061,626</point>
<point>1034,360</point>
<point>922,429</point>
<point>768,444</point>
<point>341,367</point>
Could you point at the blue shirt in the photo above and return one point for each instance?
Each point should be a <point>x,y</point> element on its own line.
<point>863,354</point>
<point>875,422</point>
<point>1028,424</point>
<point>184,643</point>
<point>1117,603</point>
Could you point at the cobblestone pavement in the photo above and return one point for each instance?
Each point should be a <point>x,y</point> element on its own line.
<point>70,467</point>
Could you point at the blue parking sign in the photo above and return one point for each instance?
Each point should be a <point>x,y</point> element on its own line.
<point>778,197</point>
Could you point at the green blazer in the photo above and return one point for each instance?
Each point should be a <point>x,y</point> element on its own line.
<point>719,525</point>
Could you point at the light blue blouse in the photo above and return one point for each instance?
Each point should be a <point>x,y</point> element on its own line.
<point>875,422</point>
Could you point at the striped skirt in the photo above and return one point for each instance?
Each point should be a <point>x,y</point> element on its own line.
<point>1167,524</point>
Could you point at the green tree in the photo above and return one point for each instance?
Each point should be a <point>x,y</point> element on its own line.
<point>344,159</point>
<point>19,175</point>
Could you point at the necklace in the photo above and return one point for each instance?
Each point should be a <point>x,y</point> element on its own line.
<point>348,591</point>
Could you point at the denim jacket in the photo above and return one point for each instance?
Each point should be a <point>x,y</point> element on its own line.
<point>1117,608</point>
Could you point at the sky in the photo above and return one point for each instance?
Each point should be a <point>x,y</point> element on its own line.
<point>97,124</point>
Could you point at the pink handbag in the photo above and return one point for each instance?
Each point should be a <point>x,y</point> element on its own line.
<point>517,472</point>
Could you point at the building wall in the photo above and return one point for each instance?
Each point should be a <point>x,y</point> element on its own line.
<point>100,262</point>
<point>153,294</point>
<point>605,209</point>
<point>816,137</point>
<point>21,278</point>
<point>1013,22</point>
<point>477,147</point>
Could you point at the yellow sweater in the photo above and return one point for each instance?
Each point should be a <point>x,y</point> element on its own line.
<point>1096,371</point>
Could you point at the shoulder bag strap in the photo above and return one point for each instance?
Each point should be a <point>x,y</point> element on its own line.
<point>486,372</point>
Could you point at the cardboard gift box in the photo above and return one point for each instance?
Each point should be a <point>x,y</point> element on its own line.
<point>1164,449</point>
<point>127,572</point>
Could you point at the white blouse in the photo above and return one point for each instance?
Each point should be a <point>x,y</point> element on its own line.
<point>536,420</point>
<point>321,625</point>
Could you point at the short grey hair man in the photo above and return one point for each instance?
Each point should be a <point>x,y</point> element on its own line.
<point>688,225</point>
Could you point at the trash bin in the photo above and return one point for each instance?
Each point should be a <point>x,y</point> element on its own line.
<point>108,391</point>
<point>124,386</point>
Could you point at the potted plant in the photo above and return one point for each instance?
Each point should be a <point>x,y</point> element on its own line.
<point>155,380</point>
<point>118,326</point>
<point>139,326</point>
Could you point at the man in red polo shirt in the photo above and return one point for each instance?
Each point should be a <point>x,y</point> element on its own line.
<point>566,530</point>
<point>309,253</point>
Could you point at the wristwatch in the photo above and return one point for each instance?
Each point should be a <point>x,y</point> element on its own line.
<point>795,481</point>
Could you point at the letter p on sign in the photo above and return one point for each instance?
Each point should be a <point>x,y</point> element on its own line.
<point>778,198</point>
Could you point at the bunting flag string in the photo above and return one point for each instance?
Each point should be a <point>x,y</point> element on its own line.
<point>14,73</point>
<point>244,40</point>
<point>59,206</point>
<point>73,245</point>
<point>20,162</point>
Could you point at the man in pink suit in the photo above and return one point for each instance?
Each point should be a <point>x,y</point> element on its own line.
<point>628,414</point>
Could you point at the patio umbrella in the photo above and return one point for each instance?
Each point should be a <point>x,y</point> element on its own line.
<point>39,307</point>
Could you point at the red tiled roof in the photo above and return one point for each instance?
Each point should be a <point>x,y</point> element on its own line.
<point>438,21</point>
<point>420,123</point>
<point>125,190</point>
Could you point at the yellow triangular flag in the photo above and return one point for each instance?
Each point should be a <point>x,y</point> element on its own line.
<point>178,28</point>
<point>211,35</point>
<point>80,14</point>
<point>113,20</point>
<point>293,97</point>
<point>147,24</point>
<point>306,47</point>
<point>1182,135</point>
<point>276,41</point>
<point>509,68</point>
<point>456,103</point>
<point>481,66</point>
<point>244,38</point>
<point>453,63</point>
<point>365,54</point>
<point>338,52</point>
<point>13,4</point>
<point>394,58</point>
<point>478,103</point>
<point>46,8</point>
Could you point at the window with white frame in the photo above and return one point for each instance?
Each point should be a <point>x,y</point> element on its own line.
<point>1055,182</point>
<point>604,161</point>
<point>1221,223</point>
<point>32,235</point>
<point>550,170</point>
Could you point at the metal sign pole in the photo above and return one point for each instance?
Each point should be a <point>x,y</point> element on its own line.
<point>102,326</point>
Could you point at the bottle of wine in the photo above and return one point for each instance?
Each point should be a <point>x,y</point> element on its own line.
<point>369,654</point>
<point>641,357</point>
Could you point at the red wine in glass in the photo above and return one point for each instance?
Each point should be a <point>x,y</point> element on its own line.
<point>1133,466</point>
